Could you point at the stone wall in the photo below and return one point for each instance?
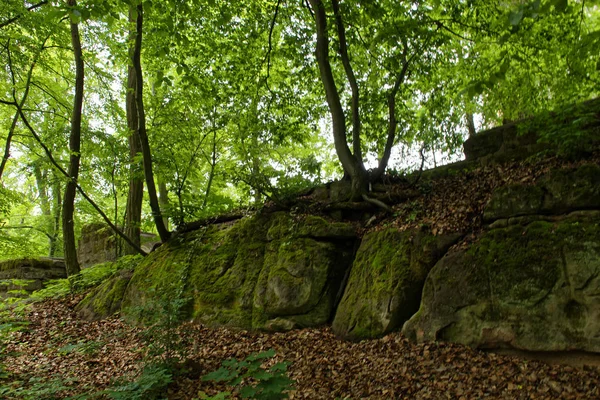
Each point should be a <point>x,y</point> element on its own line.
<point>28,274</point>
<point>99,244</point>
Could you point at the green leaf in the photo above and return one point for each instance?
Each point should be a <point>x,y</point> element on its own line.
<point>248,392</point>
<point>515,17</point>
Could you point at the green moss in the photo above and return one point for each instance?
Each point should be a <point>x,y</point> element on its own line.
<point>105,299</point>
<point>386,280</point>
<point>245,274</point>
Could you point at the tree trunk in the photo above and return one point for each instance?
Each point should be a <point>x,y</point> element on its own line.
<point>69,245</point>
<point>147,155</point>
<point>341,31</point>
<point>211,175</point>
<point>56,213</point>
<point>13,125</point>
<point>351,165</point>
<point>471,124</point>
<point>163,198</point>
<point>135,196</point>
<point>41,179</point>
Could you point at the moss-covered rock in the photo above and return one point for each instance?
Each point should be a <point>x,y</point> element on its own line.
<point>385,283</point>
<point>268,271</point>
<point>558,192</point>
<point>26,275</point>
<point>105,299</point>
<point>533,287</point>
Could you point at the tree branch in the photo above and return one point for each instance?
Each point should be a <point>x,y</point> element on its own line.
<point>16,17</point>
<point>78,187</point>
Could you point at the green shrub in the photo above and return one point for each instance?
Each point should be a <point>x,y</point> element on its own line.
<point>151,384</point>
<point>251,380</point>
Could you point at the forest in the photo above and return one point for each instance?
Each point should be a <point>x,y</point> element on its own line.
<point>158,116</point>
<point>148,115</point>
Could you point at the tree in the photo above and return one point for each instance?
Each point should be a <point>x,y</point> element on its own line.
<point>135,197</point>
<point>138,15</point>
<point>69,240</point>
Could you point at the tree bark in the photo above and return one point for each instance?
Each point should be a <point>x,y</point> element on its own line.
<point>341,31</point>
<point>69,245</point>
<point>351,165</point>
<point>135,196</point>
<point>56,214</point>
<point>392,121</point>
<point>13,125</point>
<point>211,175</point>
<point>146,153</point>
<point>163,198</point>
<point>470,124</point>
<point>41,179</point>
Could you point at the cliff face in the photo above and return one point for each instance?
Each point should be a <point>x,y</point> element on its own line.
<point>493,251</point>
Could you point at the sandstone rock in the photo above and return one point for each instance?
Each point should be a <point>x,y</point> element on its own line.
<point>386,280</point>
<point>97,245</point>
<point>533,288</point>
<point>558,192</point>
<point>29,274</point>
<point>269,271</point>
<point>105,299</point>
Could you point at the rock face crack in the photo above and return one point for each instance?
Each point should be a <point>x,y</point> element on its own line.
<point>588,282</point>
<point>566,272</point>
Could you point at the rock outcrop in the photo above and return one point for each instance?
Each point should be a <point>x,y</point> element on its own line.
<point>534,287</point>
<point>270,271</point>
<point>99,244</point>
<point>386,280</point>
<point>28,274</point>
<point>532,280</point>
<point>526,277</point>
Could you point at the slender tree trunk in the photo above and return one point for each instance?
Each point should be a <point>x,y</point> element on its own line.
<point>341,31</point>
<point>211,175</point>
<point>41,179</point>
<point>146,153</point>
<point>56,213</point>
<point>135,197</point>
<point>351,165</point>
<point>69,245</point>
<point>163,198</point>
<point>471,124</point>
<point>13,125</point>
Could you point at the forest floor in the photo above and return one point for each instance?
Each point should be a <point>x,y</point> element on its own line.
<point>59,355</point>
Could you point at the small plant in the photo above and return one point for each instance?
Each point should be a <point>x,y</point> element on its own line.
<point>90,347</point>
<point>151,384</point>
<point>36,388</point>
<point>251,379</point>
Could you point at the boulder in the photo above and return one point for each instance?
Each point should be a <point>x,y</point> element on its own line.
<point>534,287</point>
<point>270,271</point>
<point>99,244</point>
<point>105,300</point>
<point>386,280</point>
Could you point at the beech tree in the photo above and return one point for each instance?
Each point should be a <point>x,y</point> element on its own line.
<point>226,104</point>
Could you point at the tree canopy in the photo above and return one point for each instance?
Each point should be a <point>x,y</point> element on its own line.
<point>190,108</point>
